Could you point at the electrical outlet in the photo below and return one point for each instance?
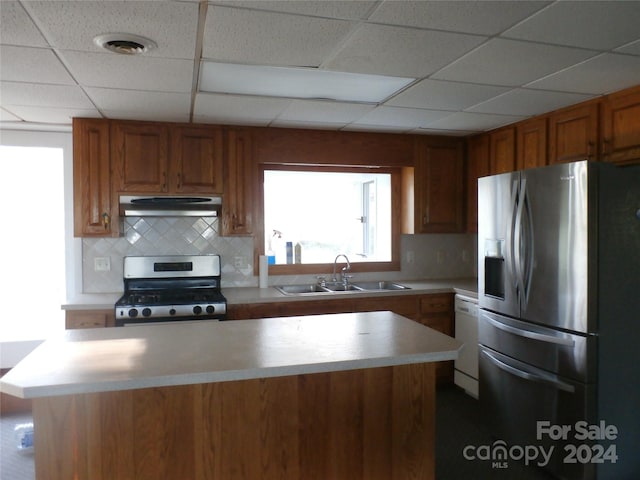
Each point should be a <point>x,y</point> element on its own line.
<point>411,257</point>
<point>102,264</point>
<point>239,262</point>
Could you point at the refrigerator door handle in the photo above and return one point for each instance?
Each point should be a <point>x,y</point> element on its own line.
<point>513,238</point>
<point>517,242</point>
<point>528,244</point>
<point>538,378</point>
<point>567,342</point>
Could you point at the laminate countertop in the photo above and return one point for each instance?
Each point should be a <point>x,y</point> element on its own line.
<point>127,358</point>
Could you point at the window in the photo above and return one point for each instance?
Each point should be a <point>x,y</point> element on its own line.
<point>325,212</point>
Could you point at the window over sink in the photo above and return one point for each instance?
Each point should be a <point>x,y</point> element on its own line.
<point>326,211</point>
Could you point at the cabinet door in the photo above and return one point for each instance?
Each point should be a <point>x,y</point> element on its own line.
<point>89,319</point>
<point>141,156</point>
<point>237,211</point>
<point>621,128</point>
<point>92,194</point>
<point>531,143</point>
<point>439,189</point>
<point>573,134</point>
<point>502,151</point>
<point>477,166</point>
<point>196,160</point>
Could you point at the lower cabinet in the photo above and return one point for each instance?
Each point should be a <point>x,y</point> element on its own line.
<point>433,310</point>
<point>89,319</point>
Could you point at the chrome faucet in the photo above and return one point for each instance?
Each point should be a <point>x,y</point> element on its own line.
<point>344,277</point>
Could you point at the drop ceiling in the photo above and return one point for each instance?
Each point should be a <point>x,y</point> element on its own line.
<point>469,66</point>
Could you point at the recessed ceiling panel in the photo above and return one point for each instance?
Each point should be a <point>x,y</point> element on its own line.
<point>511,63</point>
<point>43,95</point>
<point>237,109</point>
<point>347,10</point>
<point>325,112</point>
<point>401,117</point>
<point>475,122</point>
<point>255,37</point>
<point>17,27</point>
<point>162,105</point>
<point>441,95</point>
<point>521,101</point>
<point>73,24</point>
<point>129,72</point>
<point>605,73</point>
<point>595,25</point>
<point>483,18</point>
<point>32,65</point>
<point>407,52</point>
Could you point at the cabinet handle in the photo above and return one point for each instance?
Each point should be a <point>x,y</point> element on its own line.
<point>164,181</point>
<point>179,182</point>
<point>106,220</point>
<point>589,149</point>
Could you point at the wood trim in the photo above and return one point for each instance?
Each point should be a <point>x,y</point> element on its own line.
<point>359,424</point>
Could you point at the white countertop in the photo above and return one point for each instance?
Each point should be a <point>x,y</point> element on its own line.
<point>125,358</point>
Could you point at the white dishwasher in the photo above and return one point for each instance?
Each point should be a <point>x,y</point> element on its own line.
<point>466,366</point>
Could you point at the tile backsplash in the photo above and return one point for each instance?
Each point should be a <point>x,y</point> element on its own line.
<point>423,256</point>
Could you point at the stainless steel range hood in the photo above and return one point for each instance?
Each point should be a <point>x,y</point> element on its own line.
<point>169,206</point>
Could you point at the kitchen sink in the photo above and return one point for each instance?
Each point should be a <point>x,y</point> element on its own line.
<point>383,285</point>
<point>334,287</point>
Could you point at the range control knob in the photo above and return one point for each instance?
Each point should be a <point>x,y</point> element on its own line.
<point>197,309</point>
<point>172,311</point>
<point>146,312</point>
<point>210,309</point>
<point>133,312</point>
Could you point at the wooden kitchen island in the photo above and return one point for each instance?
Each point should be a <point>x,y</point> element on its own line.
<point>345,396</point>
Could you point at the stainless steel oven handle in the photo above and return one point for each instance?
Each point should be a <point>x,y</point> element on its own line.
<point>529,376</point>
<point>567,342</point>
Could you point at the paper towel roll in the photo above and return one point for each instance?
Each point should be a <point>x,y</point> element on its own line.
<point>263,268</point>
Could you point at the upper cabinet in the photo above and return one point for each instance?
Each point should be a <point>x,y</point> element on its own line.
<point>573,134</point>
<point>531,143</point>
<point>621,127</point>
<point>502,150</point>
<point>154,158</point>
<point>477,166</point>
<point>95,213</point>
<point>239,179</point>
<point>439,186</point>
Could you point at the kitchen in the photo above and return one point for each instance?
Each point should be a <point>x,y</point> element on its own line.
<point>445,258</point>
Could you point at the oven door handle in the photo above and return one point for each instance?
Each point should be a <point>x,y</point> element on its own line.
<point>528,375</point>
<point>564,341</point>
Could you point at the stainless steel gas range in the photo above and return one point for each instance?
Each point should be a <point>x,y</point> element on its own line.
<point>175,288</point>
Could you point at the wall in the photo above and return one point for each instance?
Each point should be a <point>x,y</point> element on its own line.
<point>194,236</point>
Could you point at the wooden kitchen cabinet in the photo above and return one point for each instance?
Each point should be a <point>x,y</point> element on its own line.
<point>531,143</point>
<point>477,166</point>
<point>162,158</point>
<point>621,127</point>
<point>89,319</point>
<point>239,181</point>
<point>573,134</point>
<point>95,209</point>
<point>502,151</point>
<point>437,312</point>
<point>439,187</point>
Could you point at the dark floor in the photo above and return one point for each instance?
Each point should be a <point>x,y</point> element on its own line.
<point>458,424</point>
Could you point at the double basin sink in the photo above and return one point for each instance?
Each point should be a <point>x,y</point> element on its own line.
<point>333,287</point>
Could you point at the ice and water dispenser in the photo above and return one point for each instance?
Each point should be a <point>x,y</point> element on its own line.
<point>494,268</point>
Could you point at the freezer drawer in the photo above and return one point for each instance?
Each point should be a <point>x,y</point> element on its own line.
<point>566,354</point>
<point>514,396</point>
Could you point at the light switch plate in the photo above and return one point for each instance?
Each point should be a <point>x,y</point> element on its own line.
<point>102,264</point>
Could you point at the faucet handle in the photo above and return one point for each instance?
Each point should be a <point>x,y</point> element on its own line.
<point>322,281</point>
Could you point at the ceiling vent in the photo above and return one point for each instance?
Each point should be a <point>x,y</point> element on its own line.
<point>124,43</point>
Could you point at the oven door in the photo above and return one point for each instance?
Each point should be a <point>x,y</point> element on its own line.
<point>515,396</point>
<point>128,321</point>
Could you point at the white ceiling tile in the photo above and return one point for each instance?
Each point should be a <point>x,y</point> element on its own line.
<point>349,10</point>
<point>53,115</point>
<point>401,117</point>
<point>605,73</point>
<point>33,65</point>
<point>324,112</point>
<point>6,116</point>
<point>473,121</point>
<point>440,95</point>
<point>483,18</point>
<point>72,25</point>
<point>526,102</point>
<point>140,113</point>
<point>595,25</point>
<point>266,38</point>
<point>511,63</point>
<point>17,27</point>
<point>161,104</point>
<point>405,52</point>
<point>308,124</point>
<point>434,131</point>
<point>42,95</point>
<point>357,127</point>
<point>235,109</point>
<point>112,70</point>
<point>632,48</point>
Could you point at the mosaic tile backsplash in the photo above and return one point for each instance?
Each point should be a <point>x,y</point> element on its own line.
<point>433,256</point>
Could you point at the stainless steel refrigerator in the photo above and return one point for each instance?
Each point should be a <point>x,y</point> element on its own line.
<point>559,321</point>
